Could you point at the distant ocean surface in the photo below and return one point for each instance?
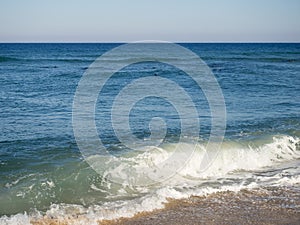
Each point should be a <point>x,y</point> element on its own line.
<point>42,171</point>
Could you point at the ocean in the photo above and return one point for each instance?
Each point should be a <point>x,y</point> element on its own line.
<point>44,171</point>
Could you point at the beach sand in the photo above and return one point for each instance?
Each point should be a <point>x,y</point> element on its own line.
<point>268,206</point>
<point>258,206</point>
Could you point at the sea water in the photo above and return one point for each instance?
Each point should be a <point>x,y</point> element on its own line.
<point>42,170</point>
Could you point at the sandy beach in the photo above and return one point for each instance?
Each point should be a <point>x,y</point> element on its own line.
<point>268,206</point>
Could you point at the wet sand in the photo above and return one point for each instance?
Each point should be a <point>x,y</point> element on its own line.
<point>267,206</point>
<point>260,206</point>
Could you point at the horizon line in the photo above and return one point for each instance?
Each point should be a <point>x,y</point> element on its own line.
<point>178,42</point>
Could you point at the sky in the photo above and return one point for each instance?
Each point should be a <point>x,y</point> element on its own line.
<point>135,20</point>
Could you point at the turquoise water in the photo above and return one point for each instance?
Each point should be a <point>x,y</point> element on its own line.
<point>42,169</point>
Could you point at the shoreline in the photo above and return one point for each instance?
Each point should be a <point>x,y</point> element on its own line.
<point>269,205</point>
<point>275,205</point>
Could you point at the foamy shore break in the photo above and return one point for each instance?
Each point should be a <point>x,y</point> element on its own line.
<point>270,205</point>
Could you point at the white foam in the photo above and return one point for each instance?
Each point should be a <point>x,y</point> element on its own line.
<point>234,157</point>
<point>294,180</point>
<point>236,167</point>
<point>129,208</point>
<point>18,219</point>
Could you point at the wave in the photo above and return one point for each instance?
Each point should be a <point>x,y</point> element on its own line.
<point>67,60</point>
<point>77,214</point>
<point>272,161</point>
<point>87,59</point>
<point>8,59</point>
<point>233,157</point>
<point>255,59</point>
<point>71,60</point>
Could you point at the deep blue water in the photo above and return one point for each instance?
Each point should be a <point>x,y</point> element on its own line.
<point>260,84</point>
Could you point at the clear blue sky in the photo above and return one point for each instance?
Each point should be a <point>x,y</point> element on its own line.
<point>132,20</point>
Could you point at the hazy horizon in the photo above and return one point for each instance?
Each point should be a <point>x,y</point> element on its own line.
<point>116,21</point>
